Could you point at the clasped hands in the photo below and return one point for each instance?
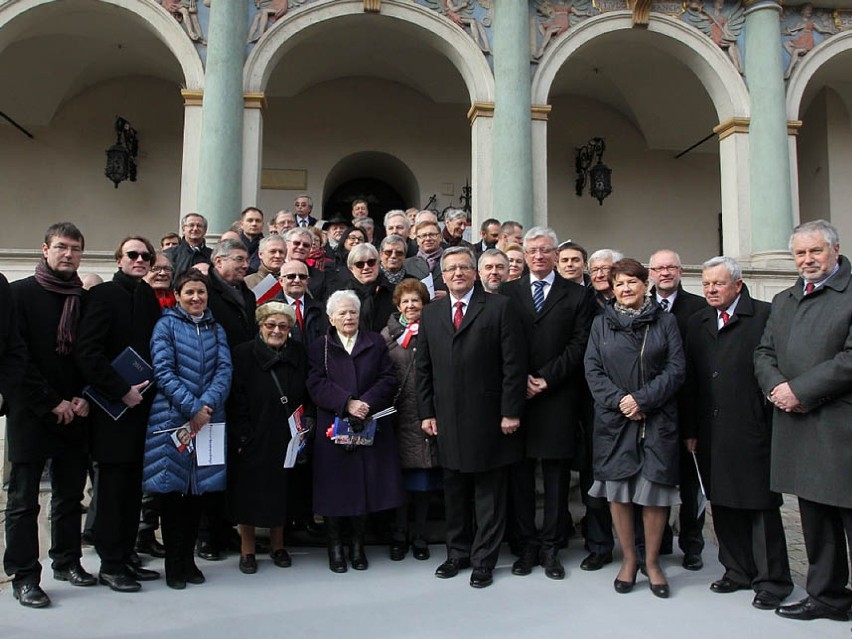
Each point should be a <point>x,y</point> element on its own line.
<point>357,408</point>
<point>66,411</point>
<point>630,409</point>
<point>783,397</point>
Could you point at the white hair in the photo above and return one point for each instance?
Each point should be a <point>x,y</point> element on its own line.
<point>336,298</point>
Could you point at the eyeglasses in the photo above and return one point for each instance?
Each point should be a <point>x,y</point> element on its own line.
<point>271,326</point>
<point>427,236</point>
<point>665,269</point>
<point>361,264</point>
<point>64,247</point>
<point>301,204</point>
<point>464,268</point>
<point>600,270</point>
<point>539,251</point>
<point>296,244</point>
<point>239,259</point>
<point>295,276</point>
<point>162,269</point>
<point>135,255</point>
<point>391,252</point>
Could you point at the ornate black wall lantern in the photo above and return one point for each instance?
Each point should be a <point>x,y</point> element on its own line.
<point>121,156</point>
<point>600,175</point>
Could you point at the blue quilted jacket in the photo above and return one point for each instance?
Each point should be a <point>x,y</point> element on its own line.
<point>192,366</point>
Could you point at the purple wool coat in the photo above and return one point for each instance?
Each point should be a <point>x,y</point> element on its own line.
<point>369,478</point>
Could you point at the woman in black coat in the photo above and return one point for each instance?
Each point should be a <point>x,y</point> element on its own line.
<point>634,366</point>
<point>350,378</point>
<point>418,451</point>
<point>268,387</point>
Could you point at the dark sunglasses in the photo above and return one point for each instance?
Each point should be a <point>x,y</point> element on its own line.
<point>371,262</point>
<point>390,252</point>
<point>135,255</point>
<point>295,276</point>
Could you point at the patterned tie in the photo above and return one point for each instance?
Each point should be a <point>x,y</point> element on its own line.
<point>538,295</point>
<point>299,317</point>
<point>665,304</point>
<point>725,317</point>
<point>458,316</point>
<point>809,288</point>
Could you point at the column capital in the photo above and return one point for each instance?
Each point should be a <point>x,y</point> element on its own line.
<point>480,110</point>
<point>758,5</point>
<point>372,6</point>
<point>731,126</point>
<point>793,127</point>
<point>192,97</point>
<point>254,100</point>
<point>541,111</point>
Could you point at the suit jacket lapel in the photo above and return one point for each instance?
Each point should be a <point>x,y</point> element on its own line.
<point>526,295</point>
<point>474,308</point>
<point>557,292</point>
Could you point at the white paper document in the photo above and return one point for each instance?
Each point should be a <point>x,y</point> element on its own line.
<point>210,445</point>
<point>429,283</point>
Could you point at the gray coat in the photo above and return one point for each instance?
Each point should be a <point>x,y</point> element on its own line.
<point>641,356</point>
<point>808,343</point>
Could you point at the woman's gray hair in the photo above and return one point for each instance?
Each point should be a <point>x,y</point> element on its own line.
<point>274,307</point>
<point>606,254</point>
<point>361,252</point>
<point>341,296</point>
<point>729,263</point>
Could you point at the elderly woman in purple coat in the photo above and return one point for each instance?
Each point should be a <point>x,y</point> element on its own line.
<point>356,469</point>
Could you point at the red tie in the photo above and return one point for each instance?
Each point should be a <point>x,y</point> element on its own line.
<point>809,288</point>
<point>299,318</point>
<point>458,316</point>
<point>725,317</point>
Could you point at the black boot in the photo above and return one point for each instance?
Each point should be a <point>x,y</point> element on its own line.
<point>193,514</point>
<point>147,544</point>
<point>336,560</point>
<point>173,538</point>
<point>356,551</point>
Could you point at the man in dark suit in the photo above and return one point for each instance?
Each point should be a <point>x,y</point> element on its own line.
<point>311,321</point>
<point>665,271</point>
<point>803,366</point>
<point>46,416</point>
<point>732,436</point>
<point>191,250</point>
<point>556,316</point>
<point>303,207</point>
<point>116,315</point>
<point>299,241</point>
<point>471,380</point>
<point>489,233</point>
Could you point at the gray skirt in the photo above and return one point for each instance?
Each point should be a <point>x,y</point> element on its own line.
<point>636,490</point>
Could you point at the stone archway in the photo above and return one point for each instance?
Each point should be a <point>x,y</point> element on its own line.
<point>436,32</point>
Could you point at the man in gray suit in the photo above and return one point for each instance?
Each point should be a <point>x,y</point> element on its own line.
<point>804,367</point>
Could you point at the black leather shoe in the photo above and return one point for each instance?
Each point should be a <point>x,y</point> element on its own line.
<point>526,562</point>
<point>281,558</point>
<point>30,595</point>
<point>150,547</point>
<point>765,600</point>
<point>193,574</point>
<point>208,551</point>
<point>481,578</point>
<point>451,567</point>
<point>725,585</point>
<point>248,564</point>
<point>623,587</point>
<point>398,550</point>
<point>74,575</point>
<point>553,568</point>
<point>421,553</point>
<point>336,560</point>
<point>692,562</point>
<point>142,574</point>
<point>120,582</point>
<point>175,583</point>
<point>357,556</point>
<point>808,609</point>
<point>660,590</point>
<point>596,561</point>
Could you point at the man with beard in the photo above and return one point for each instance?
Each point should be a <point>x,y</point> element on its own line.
<point>493,269</point>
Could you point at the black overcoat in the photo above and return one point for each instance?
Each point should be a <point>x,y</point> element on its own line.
<point>13,352</point>
<point>556,340</point>
<point>642,357</point>
<point>469,379</point>
<point>47,379</point>
<point>258,433</point>
<point>732,419</point>
<point>369,478</point>
<point>116,315</point>
<point>237,318</point>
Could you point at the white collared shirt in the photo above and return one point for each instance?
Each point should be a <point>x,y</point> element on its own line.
<point>548,280</point>
<point>730,310</point>
<point>671,298</point>
<point>348,342</point>
<point>454,300</point>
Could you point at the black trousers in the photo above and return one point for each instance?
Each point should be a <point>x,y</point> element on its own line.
<point>67,480</point>
<point>475,504</point>
<point>179,517</point>
<point>753,548</point>
<point>828,532</point>
<point>119,500</point>
<point>556,474</point>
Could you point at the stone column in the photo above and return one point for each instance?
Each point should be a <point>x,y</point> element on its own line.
<point>220,166</point>
<point>512,149</point>
<point>734,167</point>
<point>255,103</point>
<point>191,153</point>
<point>540,114</point>
<point>769,162</point>
<point>481,117</point>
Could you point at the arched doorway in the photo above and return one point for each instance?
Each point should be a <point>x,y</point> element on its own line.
<point>653,94</point>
